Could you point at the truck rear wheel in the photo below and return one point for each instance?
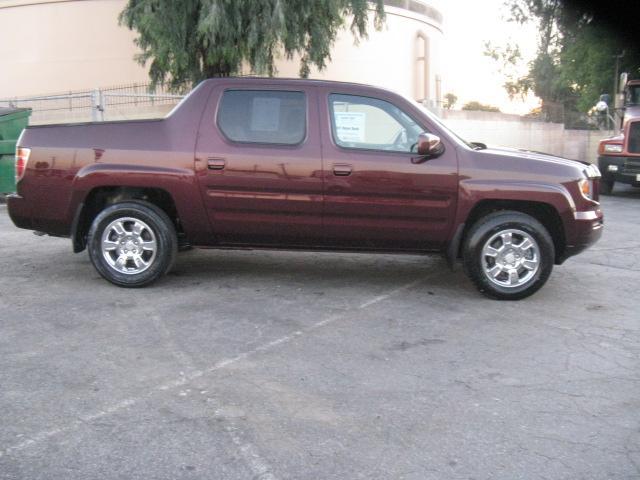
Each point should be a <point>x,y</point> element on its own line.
<point>508,255</point>
<point>132,244</point>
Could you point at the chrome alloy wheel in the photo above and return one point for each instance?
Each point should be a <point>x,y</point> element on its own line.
<point>128,245</point>
<point>510,258</point>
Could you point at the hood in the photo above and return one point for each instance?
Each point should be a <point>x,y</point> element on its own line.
<point>536,156</point>
<point>542,163</point>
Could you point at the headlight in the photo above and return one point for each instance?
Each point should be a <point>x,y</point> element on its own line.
<point>592,171</point>
<point>586,188</point>
<point>612,148</point>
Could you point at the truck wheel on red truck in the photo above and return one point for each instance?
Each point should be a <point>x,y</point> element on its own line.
<point>302,164</point>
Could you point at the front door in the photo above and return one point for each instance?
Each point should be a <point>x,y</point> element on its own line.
<point>376,197</point>
<point>259,165</point>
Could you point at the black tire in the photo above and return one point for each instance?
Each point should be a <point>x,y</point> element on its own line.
<point>489,226</point>
<point>160,226</point>
<point>606,186</point>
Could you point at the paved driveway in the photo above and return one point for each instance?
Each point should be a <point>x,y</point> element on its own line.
<point>269,365</point>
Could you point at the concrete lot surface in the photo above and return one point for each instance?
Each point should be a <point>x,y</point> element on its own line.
<point>280,365</point>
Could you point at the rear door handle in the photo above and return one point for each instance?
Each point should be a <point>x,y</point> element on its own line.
<point>216,163</point>
<point>342,170</point>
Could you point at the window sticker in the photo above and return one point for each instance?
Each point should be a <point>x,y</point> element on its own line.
<point>350,126</point>
<point>265,114</point>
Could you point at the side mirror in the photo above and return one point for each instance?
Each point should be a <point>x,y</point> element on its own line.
<point>429,146</point>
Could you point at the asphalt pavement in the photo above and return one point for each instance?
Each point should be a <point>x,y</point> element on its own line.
<point>292,365</point>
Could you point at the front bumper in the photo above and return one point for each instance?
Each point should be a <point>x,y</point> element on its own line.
<point>586,229</point>
<point>627,169</point>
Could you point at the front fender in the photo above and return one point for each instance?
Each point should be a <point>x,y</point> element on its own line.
<point>473,192</point>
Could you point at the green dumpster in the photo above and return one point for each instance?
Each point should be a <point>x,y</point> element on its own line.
<point>12,122</point>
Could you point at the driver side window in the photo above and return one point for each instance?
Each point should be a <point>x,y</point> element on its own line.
<point>371,124</point>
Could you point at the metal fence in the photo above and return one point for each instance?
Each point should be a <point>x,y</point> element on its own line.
<point>110,103</point>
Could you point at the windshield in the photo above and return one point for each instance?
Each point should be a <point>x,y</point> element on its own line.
<point>435,119</point>
<point>633,95</point>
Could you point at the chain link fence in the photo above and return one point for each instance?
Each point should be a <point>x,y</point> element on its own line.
<point>122,102</point>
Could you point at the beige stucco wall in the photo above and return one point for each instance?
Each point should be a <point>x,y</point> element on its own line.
<point>387,58</point>
<point>63,46</point>
<point>57,46</point>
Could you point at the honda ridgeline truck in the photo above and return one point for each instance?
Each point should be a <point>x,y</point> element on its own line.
<point>302,164</point>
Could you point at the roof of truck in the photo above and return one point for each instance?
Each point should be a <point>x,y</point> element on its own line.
<point>296,81</point>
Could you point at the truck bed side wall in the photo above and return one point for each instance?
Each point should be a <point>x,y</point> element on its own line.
<point>67,162</point>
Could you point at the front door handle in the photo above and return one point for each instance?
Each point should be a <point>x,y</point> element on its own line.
<point>216,163</point>
<point>342,170</point>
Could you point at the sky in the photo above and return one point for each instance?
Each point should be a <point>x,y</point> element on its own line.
<point>470,75</point>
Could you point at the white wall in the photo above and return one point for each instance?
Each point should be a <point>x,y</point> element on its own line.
<point>506,130</point>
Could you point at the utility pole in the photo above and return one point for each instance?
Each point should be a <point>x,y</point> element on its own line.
<point>615,78</point>
<point>616,87</point>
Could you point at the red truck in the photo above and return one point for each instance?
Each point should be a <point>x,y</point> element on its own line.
<point>619,155</point>
<point>302,164</point>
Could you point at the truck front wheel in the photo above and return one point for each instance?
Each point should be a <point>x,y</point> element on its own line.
<point>508,255</point>
<point>606,185</point>
<point>132,244</point>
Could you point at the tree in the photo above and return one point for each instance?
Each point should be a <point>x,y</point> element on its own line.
<point>543,77</point>
<point>588,62</point>
<point>575,59</point>
<point>477,106</point>
<point>190,40</point>
<point>450,100</point>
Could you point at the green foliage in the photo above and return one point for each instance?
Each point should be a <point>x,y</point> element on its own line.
<point>575,61</point>
<point>477,106</point>
<point>450,100</point>
<point>588,62</point>
<point>190,40</point>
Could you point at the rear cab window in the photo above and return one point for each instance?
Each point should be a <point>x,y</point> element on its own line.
<point>263,116</point>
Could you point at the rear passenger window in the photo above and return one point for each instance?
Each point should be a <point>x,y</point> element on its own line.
<point>263,116</point>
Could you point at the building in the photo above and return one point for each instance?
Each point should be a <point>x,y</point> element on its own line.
<point>57,46</point>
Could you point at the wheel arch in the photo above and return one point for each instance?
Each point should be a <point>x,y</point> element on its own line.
<point>545,213</point>
<point>99,198</point>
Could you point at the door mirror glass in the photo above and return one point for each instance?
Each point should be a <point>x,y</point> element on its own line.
<point>429,145</point>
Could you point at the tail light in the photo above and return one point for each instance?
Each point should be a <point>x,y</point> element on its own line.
<point>22,157</point>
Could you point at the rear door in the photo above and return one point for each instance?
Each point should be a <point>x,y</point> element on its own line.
<point>376,197</point>
<point>259,164</point>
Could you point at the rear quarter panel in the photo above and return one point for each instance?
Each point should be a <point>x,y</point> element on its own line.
<point>68,161</point>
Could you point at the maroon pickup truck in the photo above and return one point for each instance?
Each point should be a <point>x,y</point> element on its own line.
<point>302,164</point>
